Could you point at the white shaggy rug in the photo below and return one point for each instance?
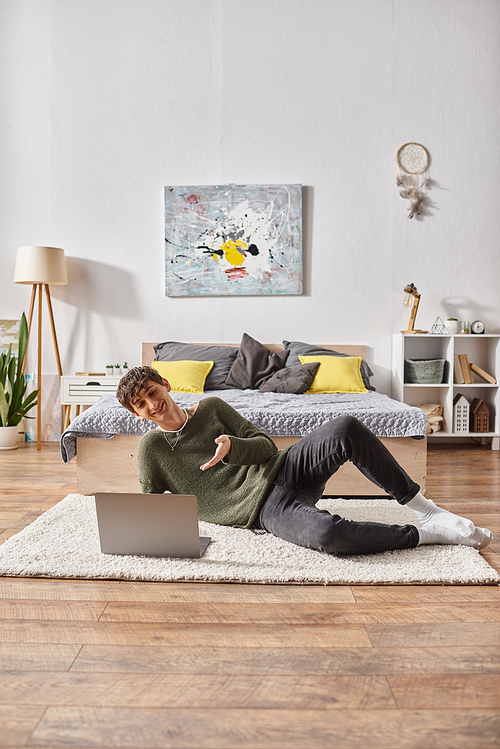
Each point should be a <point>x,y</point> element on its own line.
<point>64,543</point>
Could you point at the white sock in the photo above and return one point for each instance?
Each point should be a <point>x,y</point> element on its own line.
<point>437,535</point>
<point>430,515</point>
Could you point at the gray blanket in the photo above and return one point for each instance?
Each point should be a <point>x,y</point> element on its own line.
<point>276,414</point>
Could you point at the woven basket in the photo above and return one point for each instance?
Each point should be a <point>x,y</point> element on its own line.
<point>424,371</point>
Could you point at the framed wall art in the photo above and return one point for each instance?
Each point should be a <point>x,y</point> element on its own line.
<point>9,336</point>
<point>233,239</point>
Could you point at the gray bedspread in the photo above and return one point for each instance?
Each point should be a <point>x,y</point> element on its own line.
<point>276,414</point>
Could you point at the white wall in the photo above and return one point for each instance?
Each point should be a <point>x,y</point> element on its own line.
<point>104,102</point>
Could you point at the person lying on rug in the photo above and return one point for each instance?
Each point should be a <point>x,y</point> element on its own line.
<point>248,483</point>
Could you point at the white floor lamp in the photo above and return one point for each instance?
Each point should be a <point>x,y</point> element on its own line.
<point>41,266</point>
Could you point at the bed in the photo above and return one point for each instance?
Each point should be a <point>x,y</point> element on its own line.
<point>104,438</point>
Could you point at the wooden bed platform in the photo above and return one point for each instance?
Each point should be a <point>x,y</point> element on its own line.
<point>110,465</point>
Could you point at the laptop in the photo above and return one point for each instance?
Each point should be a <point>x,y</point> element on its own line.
<point>154,525</point>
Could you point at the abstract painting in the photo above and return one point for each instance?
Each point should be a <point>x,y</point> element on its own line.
<point>233,239</point>
<point>9,336</point>
<point>51,410</point>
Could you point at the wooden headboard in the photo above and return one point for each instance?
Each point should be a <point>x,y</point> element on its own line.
<point>148,353</point>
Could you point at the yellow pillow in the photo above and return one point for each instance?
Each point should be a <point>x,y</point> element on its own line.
<point>336,374</point>
<point>184,376</point>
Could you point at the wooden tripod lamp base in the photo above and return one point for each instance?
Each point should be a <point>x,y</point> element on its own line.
<point>412,295</point>
<point>41,266</point>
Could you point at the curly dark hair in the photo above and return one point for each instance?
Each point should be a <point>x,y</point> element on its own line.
<point>133,382</point>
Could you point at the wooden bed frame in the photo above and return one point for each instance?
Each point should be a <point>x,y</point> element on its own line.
<point>110,465</point>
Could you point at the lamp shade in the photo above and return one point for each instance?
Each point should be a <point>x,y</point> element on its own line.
<point>45,265</point>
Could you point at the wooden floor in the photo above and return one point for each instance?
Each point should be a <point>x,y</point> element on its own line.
<point>125,664</point>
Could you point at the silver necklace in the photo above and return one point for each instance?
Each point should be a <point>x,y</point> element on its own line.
<point>177,432</point>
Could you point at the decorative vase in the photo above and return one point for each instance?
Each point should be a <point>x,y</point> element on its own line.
<point>8,437</point>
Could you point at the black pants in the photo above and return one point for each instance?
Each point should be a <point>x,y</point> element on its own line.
<point>289,510</point>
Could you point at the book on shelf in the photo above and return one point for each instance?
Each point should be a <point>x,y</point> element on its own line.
<point>465,366</point>
<point>90,374</point>
<point>458,376</point>
<point>482,374</point>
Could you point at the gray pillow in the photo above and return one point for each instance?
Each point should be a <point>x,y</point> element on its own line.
<point>296,379</point>
<point>306,349</point>
<point>222,357</point>
<point>254,363</point>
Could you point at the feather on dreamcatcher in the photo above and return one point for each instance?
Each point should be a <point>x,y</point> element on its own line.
<point>413,178</point>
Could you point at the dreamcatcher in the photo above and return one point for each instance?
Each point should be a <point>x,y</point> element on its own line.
<point>412,160</point>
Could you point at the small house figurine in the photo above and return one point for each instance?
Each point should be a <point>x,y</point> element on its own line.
<point>479,416</point>
<point>461,414</point>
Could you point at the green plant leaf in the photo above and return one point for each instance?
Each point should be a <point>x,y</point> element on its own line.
<point>4,407</point>
<point>30,401</point>
<point>4,364</point>
<point>11,373</point>
<point>23,343</point>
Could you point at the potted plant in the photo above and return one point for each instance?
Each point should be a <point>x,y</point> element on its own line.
<point>109,369</point>
<point>14,403</point>
<point>453,325</point>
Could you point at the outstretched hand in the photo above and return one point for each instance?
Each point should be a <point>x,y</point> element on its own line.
<point>223,447</point>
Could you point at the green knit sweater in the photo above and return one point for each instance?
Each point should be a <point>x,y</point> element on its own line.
<point>230,492</point>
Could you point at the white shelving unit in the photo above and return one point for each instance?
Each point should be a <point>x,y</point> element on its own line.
<point>483,350</point>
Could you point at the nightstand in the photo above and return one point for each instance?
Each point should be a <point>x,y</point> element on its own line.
<point>80,390</point>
